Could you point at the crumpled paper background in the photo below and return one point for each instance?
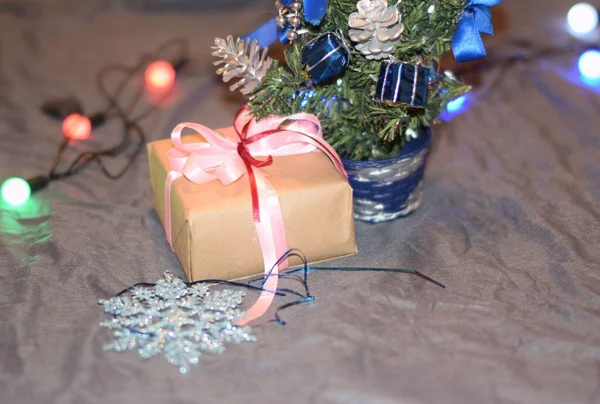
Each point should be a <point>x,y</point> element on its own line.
<point>509,223</point>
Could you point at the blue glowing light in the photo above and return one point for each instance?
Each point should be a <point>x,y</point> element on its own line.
<point>456,107</point>
<point>306,97</point>
<point>309,96</point>
<point>589,65</point>
<point>456,104</point>
<point>574,75</point>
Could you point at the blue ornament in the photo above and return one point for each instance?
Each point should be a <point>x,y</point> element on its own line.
<point>325,57</point>
<point>403,83</point>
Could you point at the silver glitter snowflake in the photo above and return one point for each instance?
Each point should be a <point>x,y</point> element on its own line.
<point>175,320</point>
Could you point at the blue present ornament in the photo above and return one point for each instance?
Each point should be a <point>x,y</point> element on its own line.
<point>403,83</point>
<point>325,57</point>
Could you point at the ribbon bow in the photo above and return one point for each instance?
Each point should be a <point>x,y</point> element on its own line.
<point>476,19</point>
<point>269,33</point>
<point>225,160</point>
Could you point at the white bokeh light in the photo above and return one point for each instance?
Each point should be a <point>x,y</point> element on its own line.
<point>582,18</point>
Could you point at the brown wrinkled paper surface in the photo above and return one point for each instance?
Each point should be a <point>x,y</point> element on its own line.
<point>213,230</point>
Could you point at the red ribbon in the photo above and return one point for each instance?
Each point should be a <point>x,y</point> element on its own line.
<point>249,162</point>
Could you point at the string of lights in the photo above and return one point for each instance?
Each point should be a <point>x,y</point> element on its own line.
<point>159,78</point>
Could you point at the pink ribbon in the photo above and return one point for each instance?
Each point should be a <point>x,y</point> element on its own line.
<point>224,160</point>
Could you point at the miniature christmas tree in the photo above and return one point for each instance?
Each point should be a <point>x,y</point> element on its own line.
<point>368,69</point>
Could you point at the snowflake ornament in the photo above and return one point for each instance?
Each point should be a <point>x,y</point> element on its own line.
<point>177,320</point>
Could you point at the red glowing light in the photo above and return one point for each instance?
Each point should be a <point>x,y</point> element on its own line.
<point>76,126</point>
<point>160,76</point>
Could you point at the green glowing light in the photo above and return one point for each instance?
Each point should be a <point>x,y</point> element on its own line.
<point>15,191</point>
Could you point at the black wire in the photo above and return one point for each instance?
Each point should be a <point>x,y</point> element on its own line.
<point>215,281</point>
<point>307,297</point>
<point>132,131</point>
<point>87,157</point>
<point>113,99</point>
<point>61,150</point>
<point>304,298</point>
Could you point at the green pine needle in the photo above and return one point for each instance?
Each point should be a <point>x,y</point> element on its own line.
<point>356,125</point>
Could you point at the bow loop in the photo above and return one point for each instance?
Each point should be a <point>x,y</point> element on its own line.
<point>482,16</point>
<point>195,171</point>
<point>231,170</point>
<point>476,19</point>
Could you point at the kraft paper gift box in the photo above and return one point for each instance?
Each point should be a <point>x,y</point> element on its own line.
<point>213,232</point>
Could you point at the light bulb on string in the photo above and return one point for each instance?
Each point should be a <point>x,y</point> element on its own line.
<point>456,107</point>
<point>77,127</point>
<point>589,65</point>
<point>159,76</point>
<point>15,191</point>
<point>582,19</point>
<point>456,104</point>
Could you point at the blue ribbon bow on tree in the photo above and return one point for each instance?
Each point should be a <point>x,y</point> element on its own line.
<point>476,19</point>
<point>269,33</point>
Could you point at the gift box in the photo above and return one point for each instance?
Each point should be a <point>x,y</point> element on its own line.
<point>325,57</point>
<point>403,83</point>
<point>212,226</point>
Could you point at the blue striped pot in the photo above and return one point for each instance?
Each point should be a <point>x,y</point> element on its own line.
<point>385,190</point>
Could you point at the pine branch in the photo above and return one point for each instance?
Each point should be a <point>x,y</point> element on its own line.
<point>354,123</point>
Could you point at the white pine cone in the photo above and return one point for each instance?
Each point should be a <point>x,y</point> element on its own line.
<point>375,28</point>
<point>241,60</point>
